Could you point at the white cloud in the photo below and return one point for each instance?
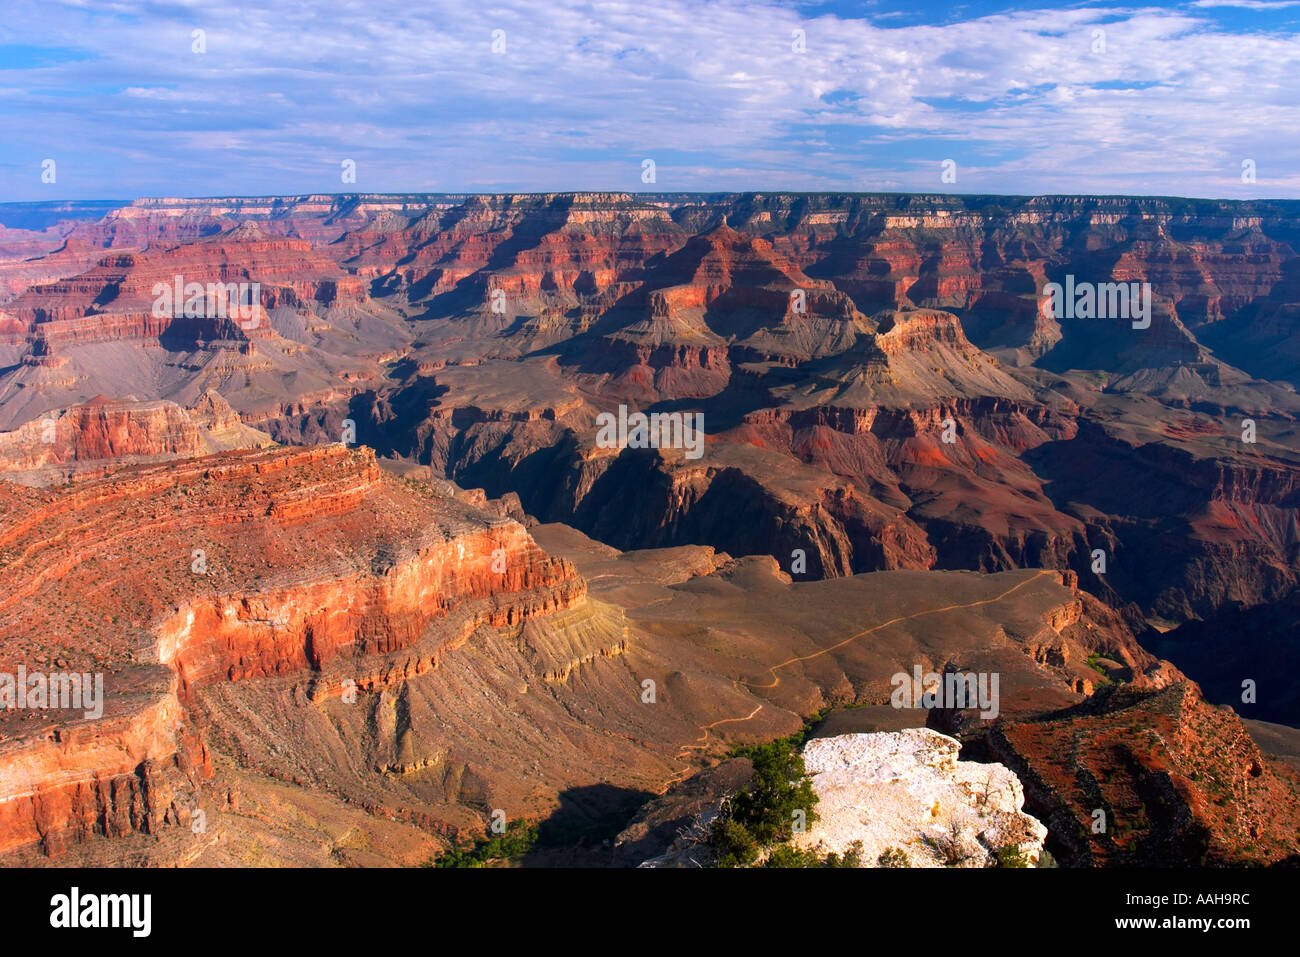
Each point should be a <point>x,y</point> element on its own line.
<point>1248,4</point>
<point>712,91</point>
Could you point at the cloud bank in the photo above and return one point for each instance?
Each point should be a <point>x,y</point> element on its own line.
<point>506,96</point>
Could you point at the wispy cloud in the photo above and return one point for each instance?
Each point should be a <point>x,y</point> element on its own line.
<point>1249,4</point>
<point>576,95</point>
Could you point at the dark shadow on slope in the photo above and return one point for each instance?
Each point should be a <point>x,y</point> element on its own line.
<point>396,422</point>
<point>1236,644</point>
<point>581,831</point>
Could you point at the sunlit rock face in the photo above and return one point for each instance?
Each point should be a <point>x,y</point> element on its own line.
<point>906,790</point>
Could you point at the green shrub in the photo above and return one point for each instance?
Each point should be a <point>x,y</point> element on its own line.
<point>852,857</point>
<point>787,855</point>
<point>763,813</point>
<point>893,857</point>
<point>795,740</point>
<point>518,840</point>
<point>1010,855</point>
<point>733,845</point>
<point>780,787</point>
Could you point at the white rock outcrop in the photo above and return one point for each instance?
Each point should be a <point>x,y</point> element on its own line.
<point>906,791</point>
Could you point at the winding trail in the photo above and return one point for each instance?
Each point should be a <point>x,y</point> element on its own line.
<point>702,742</point>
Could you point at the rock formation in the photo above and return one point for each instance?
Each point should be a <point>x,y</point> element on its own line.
<point>168,577</point>
<point>907,791</point>
<point>901,796</point>
<point>106,433</point>
<point>1156,778</point>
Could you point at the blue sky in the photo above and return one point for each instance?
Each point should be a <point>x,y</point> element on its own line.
<point>1166,99</point>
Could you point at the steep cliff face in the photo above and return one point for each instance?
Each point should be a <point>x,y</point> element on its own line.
<point>104,433</point>
<point>298,627</point>
<point>166,220</point>
<point>1238,538</point>
<point>115,299</point>
<point>216,569</point>
<point>721,298</point>
<point>1156,778</point>
<point>20,271</point>
<point>562,245</point>
<point>136,769</point>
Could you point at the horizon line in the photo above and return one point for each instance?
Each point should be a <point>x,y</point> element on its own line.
<point>661,193</point>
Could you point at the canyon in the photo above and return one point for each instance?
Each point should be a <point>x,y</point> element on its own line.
<point>426,589</point>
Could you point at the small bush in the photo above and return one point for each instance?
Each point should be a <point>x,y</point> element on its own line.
<point>951,844</point>
<point>518,840</point>
<point>1010,855</point>
<point>787,855</point>
<point>733,845</point>
<point>779,788</point>
<point>893,857</point>
<point>851,858</point>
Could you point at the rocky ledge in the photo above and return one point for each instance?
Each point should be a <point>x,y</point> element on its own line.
<point>906,790</point>
<point>902,794</point>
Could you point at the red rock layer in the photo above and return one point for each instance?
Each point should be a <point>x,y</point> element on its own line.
<point>1177,782</point>
<point>587,244</point>
<point>115,299</point>
<point>219,569</point>
<point>105,432</point>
